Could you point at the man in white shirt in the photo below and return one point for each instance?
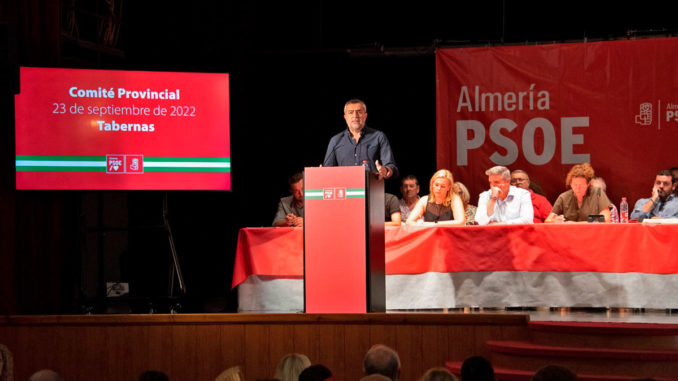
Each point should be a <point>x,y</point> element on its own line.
<point>503,203</point>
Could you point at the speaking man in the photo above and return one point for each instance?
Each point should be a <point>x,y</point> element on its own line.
<point>360,145</point>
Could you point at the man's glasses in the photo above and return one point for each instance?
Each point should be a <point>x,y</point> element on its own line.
<point>516,180</point>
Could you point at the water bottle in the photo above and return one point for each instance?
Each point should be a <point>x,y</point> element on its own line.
<point>624,211</point>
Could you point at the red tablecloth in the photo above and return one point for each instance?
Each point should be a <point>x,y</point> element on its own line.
<point>615,248</point>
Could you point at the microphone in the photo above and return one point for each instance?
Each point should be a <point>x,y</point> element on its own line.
<point>330,158</point>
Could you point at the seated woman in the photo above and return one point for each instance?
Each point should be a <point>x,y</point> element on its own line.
<point>469,210</point>
<point>442,206</point>
<point>581,200</point>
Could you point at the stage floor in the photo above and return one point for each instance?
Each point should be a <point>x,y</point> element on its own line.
<point>600,315</point>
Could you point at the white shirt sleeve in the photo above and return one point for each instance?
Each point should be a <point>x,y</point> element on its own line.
<point>481,212</point>
<point>526,212</point>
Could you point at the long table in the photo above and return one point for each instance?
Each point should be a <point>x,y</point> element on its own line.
<point>566,265</point>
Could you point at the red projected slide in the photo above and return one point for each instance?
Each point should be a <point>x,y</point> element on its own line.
<point>122,130</point>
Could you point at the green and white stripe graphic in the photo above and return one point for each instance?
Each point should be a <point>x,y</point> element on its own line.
<point>61,163</point>
<point>98,164</point>
<point>311,194</point>
<point>187,164</point>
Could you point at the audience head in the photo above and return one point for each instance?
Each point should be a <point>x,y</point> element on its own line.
<point>290,366</point>
<point>462,191</point>
<point>579,177</point>
<point>383,360</point>
<point>153,375</point>
<point>296,182</point>
<point>316,372</point>
<point>554,373</point>
<point>499,177</point>
<point>45,375</point>
<point>674,174</point>
<point>438,374</point>
<point>6,364</point>
<point>477,368</point>
<point>520,179</point>
<point>441,186</point>
<point>664,183</point>
<point>599,183</point>
<point>409,187</point>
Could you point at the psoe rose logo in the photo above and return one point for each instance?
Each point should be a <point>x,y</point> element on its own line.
<point>328,193</point>
<point>644,118</point>
<point>114,164</point>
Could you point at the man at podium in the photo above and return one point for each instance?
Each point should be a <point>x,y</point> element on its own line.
<point>360,144</point>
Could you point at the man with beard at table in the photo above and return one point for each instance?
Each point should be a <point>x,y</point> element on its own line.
<point>663,203</point>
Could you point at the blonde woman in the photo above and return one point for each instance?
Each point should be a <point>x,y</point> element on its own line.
<point>290,366</point>
<point>442,206</point>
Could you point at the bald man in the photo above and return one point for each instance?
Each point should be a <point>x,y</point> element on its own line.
<point>381,363</point>
<point>46,375</point>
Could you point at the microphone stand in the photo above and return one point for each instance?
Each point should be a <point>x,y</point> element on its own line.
<point>175,266</point>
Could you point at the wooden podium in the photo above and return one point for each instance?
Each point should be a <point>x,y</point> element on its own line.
<point>343,240</point>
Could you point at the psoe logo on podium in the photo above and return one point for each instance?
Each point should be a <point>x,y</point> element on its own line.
<point>328,193</point>
<point>334,193</point>
<point>340,193</point>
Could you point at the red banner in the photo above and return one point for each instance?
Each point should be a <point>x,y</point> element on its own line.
<point>544,108</point>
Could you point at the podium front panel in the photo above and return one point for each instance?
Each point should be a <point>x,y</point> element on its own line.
<point>335,247</point>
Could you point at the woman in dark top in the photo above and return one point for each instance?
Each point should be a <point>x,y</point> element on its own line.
<point>442,206</point>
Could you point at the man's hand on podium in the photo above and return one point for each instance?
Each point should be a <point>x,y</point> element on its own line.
<point>384,172</point>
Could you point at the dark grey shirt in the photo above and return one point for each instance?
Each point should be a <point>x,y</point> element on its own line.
<point>285,207</point>
<point>391,205</point>
<point>372,145</point>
